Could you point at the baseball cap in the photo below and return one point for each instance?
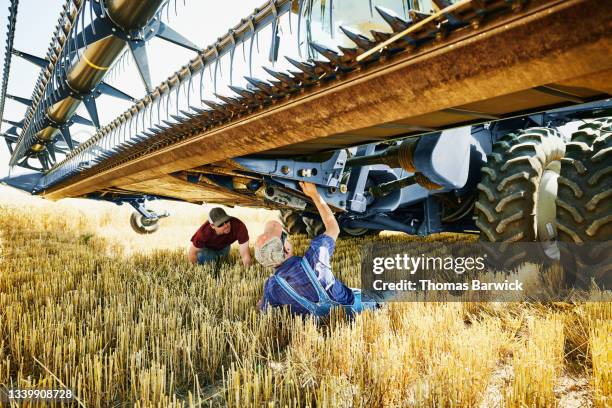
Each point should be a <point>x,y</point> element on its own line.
<point>218,217</point>
<point>271,253</point>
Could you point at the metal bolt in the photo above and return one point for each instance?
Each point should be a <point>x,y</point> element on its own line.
<point>305,172</point>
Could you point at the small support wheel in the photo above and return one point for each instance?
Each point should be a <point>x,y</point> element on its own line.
<point>142,225</point>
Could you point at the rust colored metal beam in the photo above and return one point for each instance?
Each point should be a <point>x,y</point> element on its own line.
<point>551,42</point>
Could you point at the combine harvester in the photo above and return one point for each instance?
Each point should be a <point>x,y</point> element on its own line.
<point>412,116</point>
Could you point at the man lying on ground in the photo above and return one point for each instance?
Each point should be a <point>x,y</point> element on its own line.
<point>305,284</point>
<point>213,239</point>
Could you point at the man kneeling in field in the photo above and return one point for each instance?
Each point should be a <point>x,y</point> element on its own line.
<point>213,239</point>
<point>306,284</point>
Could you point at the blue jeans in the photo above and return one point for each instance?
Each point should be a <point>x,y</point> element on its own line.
<point>211,255</point>
<point>361,305</point>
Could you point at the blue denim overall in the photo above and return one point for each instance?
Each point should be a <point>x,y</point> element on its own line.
<point>325,303</point>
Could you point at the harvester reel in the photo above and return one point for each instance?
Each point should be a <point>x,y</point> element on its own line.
<point>517,193</point>
<point>585,202</point>
<point>143,225</point>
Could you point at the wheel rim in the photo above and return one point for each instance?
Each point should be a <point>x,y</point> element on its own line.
<point>546,208</point>
<point>142,224</point>
<point>145,222</point>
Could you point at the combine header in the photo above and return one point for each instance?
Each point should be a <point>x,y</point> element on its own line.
<point>413,116</point>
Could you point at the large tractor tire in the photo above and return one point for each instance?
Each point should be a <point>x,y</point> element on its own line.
<point>142,225</point>
<point>584,204</point>
<point>293,222</point>
<point>591,131</point>
<point>517,193</point>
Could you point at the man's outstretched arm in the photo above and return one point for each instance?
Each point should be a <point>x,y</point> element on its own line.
<point>329,220</point>
<point>245,254</point>
<point>192,253</point>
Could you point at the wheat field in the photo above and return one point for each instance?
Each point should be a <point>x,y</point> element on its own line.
<point>124,320</point>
